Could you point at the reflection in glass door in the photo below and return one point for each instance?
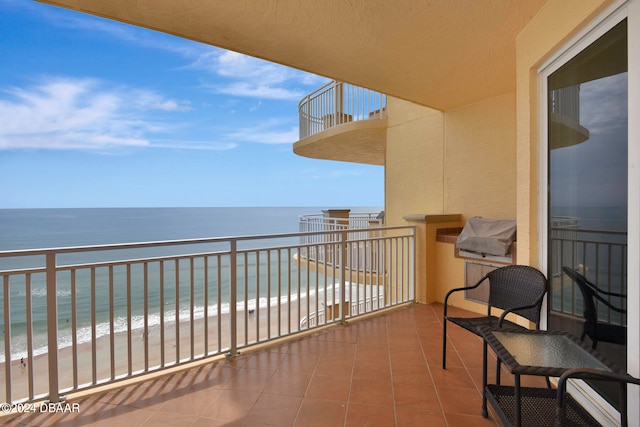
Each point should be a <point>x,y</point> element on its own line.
<point>587,155</point>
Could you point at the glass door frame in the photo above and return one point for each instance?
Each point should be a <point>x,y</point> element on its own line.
<point>616,12</point>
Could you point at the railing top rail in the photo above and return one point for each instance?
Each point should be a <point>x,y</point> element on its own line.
<point>351,215</point>
<point>136,245</point>
<point>323,88</point>
<point>586,230</point>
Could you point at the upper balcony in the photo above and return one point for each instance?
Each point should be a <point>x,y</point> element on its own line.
<point>343,122</point>
<point>564,111</point>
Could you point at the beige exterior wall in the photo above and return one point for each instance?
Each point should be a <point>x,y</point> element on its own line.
<point>480,159</point>
<point>461,161</point>
<point>456,162</point>
<point>413,165</point>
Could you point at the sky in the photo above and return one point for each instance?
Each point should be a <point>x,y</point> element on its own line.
<point>594,172</point>
<point>95,113</point>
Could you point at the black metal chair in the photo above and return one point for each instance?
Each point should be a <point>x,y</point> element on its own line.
<point>517,289</point>
<point>595,330</point>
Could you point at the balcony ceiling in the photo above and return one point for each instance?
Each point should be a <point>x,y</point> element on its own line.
<point>438,53</point>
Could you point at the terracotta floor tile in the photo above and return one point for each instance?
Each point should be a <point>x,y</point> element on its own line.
<point>171,419</point>
<point>272,409</point>
<point>416,396</point>
<point>335,367</point>
<point>210,422</point>
<point>411,374</point>
<point>321,413</point>
<point>288,383</point>
<point>411,417</point>
<point>249,380</point>
<point>452,377</point>
<point>329,387</point>
<point>338,350</point>
<point>372,351</point>
<point>230,404</point>
<point>264,360</point>
<point>363,415</point>
<point>294,362</point>
<point>456,400</point>
<point>308,347</point>
<point>373,368</point>
<point>371,392</point>
<point>411,356</point>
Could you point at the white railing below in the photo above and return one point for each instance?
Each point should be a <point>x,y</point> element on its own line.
<point>78,317</point>
<point>361,226</point>
<point>337,103</point>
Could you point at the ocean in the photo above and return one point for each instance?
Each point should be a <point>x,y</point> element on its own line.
<point>56,228</point>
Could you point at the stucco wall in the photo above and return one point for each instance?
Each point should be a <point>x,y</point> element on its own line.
<point>457,162</point>
<point>461,161</point>
<point>413,163</point>
<point>480,159</point>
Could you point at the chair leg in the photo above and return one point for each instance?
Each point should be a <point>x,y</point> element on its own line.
<point>444,343</point>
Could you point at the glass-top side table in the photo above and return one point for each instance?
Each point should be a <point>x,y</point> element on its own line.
<point>541,353</point>
<point>530,352</point>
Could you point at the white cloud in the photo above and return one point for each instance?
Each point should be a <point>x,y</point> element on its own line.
<point>603,104</point>
<point>269,132</point>
<point>252,77</point>
<point>236,74</point>
<point>195,145</point>
<point>80,114</point>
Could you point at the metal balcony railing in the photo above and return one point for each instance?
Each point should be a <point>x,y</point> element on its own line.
<point>337,103</point>
<point>602,257</point>
<point>77,317</point>
<point>566,102</point>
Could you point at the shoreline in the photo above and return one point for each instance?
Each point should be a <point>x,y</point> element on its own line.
<point>262,322</point>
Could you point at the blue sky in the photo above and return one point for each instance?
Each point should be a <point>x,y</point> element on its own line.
<point>94,113</point>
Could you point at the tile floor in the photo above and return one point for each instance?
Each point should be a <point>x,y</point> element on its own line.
<point>383,371</point>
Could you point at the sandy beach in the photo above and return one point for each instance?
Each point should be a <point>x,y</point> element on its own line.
<point>146,350</point>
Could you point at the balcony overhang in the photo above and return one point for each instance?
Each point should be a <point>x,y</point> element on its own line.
<point>565,132</point>
<point>358,142</point>
<point>439,54</point>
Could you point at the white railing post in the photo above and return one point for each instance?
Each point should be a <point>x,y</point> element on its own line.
<point>233,296</point>
<point>52,326</point>
<point>344,238</point>
<point>7,338</point>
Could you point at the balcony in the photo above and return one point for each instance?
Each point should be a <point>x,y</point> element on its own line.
<point>382,370</point>
<point>564,124</point>
<point>270,353</point>
<point>343,122</point>
<point>79,318</point>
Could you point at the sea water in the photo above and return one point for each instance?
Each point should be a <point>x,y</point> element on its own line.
<point>56,228</point>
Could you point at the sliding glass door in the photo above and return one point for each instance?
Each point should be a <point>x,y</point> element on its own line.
<point>587,194</point>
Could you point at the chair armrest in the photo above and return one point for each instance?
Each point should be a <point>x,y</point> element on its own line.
<point>601,291</point>
<point>608,304</point>
<point>586,373</point>
<point>464,288</point>
<point>512,309</point>
<point>446,298</point>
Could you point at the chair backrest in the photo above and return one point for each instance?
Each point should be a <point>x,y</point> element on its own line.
<point>518,286</point>
<point>588,294</point>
